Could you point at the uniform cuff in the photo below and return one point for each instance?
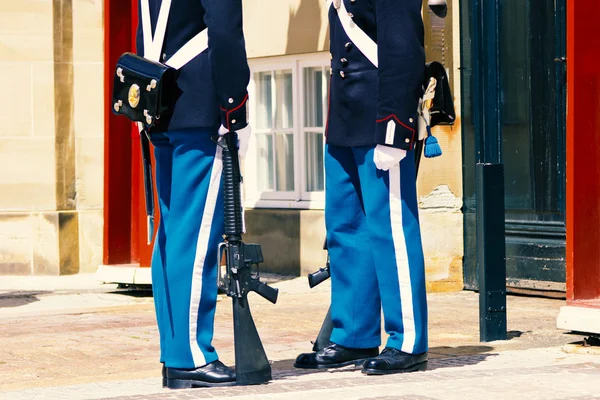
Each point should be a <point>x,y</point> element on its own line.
<point>392,131</point>
<point>235,116</point>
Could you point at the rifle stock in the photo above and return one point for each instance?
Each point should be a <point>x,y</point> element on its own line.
<point>327,327</point>
<point>251,363</point>
<point>317,277</point>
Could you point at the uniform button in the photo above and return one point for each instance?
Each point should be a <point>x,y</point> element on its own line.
<point>407,140</point>
<point>410,120</point>
<point>342,74</point>
<point>343,60</point>
<point>233,121</point>
<point>330,71</point>
<point>230,100</point>
<point>348,46</point>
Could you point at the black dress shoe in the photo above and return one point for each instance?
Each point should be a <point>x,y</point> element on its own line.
<point>334,356</point>
<point>213,374</point>
<point>392,361</point>
<point>164,375</point>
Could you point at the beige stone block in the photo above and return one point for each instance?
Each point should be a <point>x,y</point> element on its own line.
<point>91,228</point>
<point>43,99</point>
<point>27,174</point>
<point>89,102</point>
<point>442,234</point>
<point>15,244</point>
<point>68,242</point>
<point>447,169</point>
<point>278,233</point>
<point>301,26</point>
<point>26,32</point>
<point>55,243</point>
<point>16,99</point>
<point>444,274</point>
<point>46,251</point>
<point>312,236</point>
<point>88,34</point>
<point>90,173</point>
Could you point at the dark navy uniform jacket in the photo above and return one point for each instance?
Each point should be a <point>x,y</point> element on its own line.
<point>214,84</point>
<point>363,98</point>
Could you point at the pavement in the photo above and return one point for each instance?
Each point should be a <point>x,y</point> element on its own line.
<point>75,338</point>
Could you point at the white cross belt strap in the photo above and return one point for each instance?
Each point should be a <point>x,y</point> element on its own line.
<point>153,46</point>
<point>361,40</point>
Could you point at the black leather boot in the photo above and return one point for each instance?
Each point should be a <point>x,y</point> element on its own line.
<point>334,356</point>
<point>392,361</point>
<point>214,374</point>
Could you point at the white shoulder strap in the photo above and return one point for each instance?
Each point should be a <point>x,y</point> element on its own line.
<point>146,28</point>
<point>153,46</point>
<point>361,40</point>
<point>161,28</point>
<point>191,49</point>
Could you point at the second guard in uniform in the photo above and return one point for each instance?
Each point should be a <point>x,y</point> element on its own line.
<point>371,212</point>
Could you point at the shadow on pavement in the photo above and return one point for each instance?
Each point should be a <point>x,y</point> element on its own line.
<point>515,334</point>
<point>439,357</point>
<point>19,298</point>
<point>133,290</point>
<point>285,369</point>
<point>452,357</point>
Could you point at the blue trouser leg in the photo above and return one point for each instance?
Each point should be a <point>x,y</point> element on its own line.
<point>193,229</point>
<point>390,201</point>
<point>355,303</point>
<point>163,154</point>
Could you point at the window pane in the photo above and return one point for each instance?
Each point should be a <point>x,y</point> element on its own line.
<point>285,115</point>
<point>284,145</point>
<point>264,100</point>
<point>264,164</point>
<point>313,97</point>
<point>314,162</point>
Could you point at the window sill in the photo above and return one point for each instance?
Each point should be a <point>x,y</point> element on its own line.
<point>286,204</point>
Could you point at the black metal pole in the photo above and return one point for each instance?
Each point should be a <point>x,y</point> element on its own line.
<point>491,251</point>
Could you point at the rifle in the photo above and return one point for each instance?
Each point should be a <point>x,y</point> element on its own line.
<point>251,363</point>
<point>324,273</point>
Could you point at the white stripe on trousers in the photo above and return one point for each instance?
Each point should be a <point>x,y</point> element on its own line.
<point>201,252</point>
<point>406,300</point>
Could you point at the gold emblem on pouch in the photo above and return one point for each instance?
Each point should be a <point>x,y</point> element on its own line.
<point>134,95</point>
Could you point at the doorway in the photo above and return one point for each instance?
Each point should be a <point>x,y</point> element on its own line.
<point>532,85</point>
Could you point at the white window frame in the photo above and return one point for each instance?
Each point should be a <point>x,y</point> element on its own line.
<point>300,198</point>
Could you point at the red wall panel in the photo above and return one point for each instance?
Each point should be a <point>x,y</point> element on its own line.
<point>583,151</point>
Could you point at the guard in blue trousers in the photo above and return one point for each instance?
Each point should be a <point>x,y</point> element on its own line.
<point>371,211</point>
<point>213,100</point>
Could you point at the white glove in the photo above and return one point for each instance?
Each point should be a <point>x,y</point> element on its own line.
<point>244,136</point>
<point>387,157</point>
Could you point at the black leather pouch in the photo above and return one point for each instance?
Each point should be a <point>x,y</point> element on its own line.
<point>442,111</point>
<point>145,91</point>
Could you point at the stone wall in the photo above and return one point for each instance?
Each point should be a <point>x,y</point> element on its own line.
<point>51,136</point>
